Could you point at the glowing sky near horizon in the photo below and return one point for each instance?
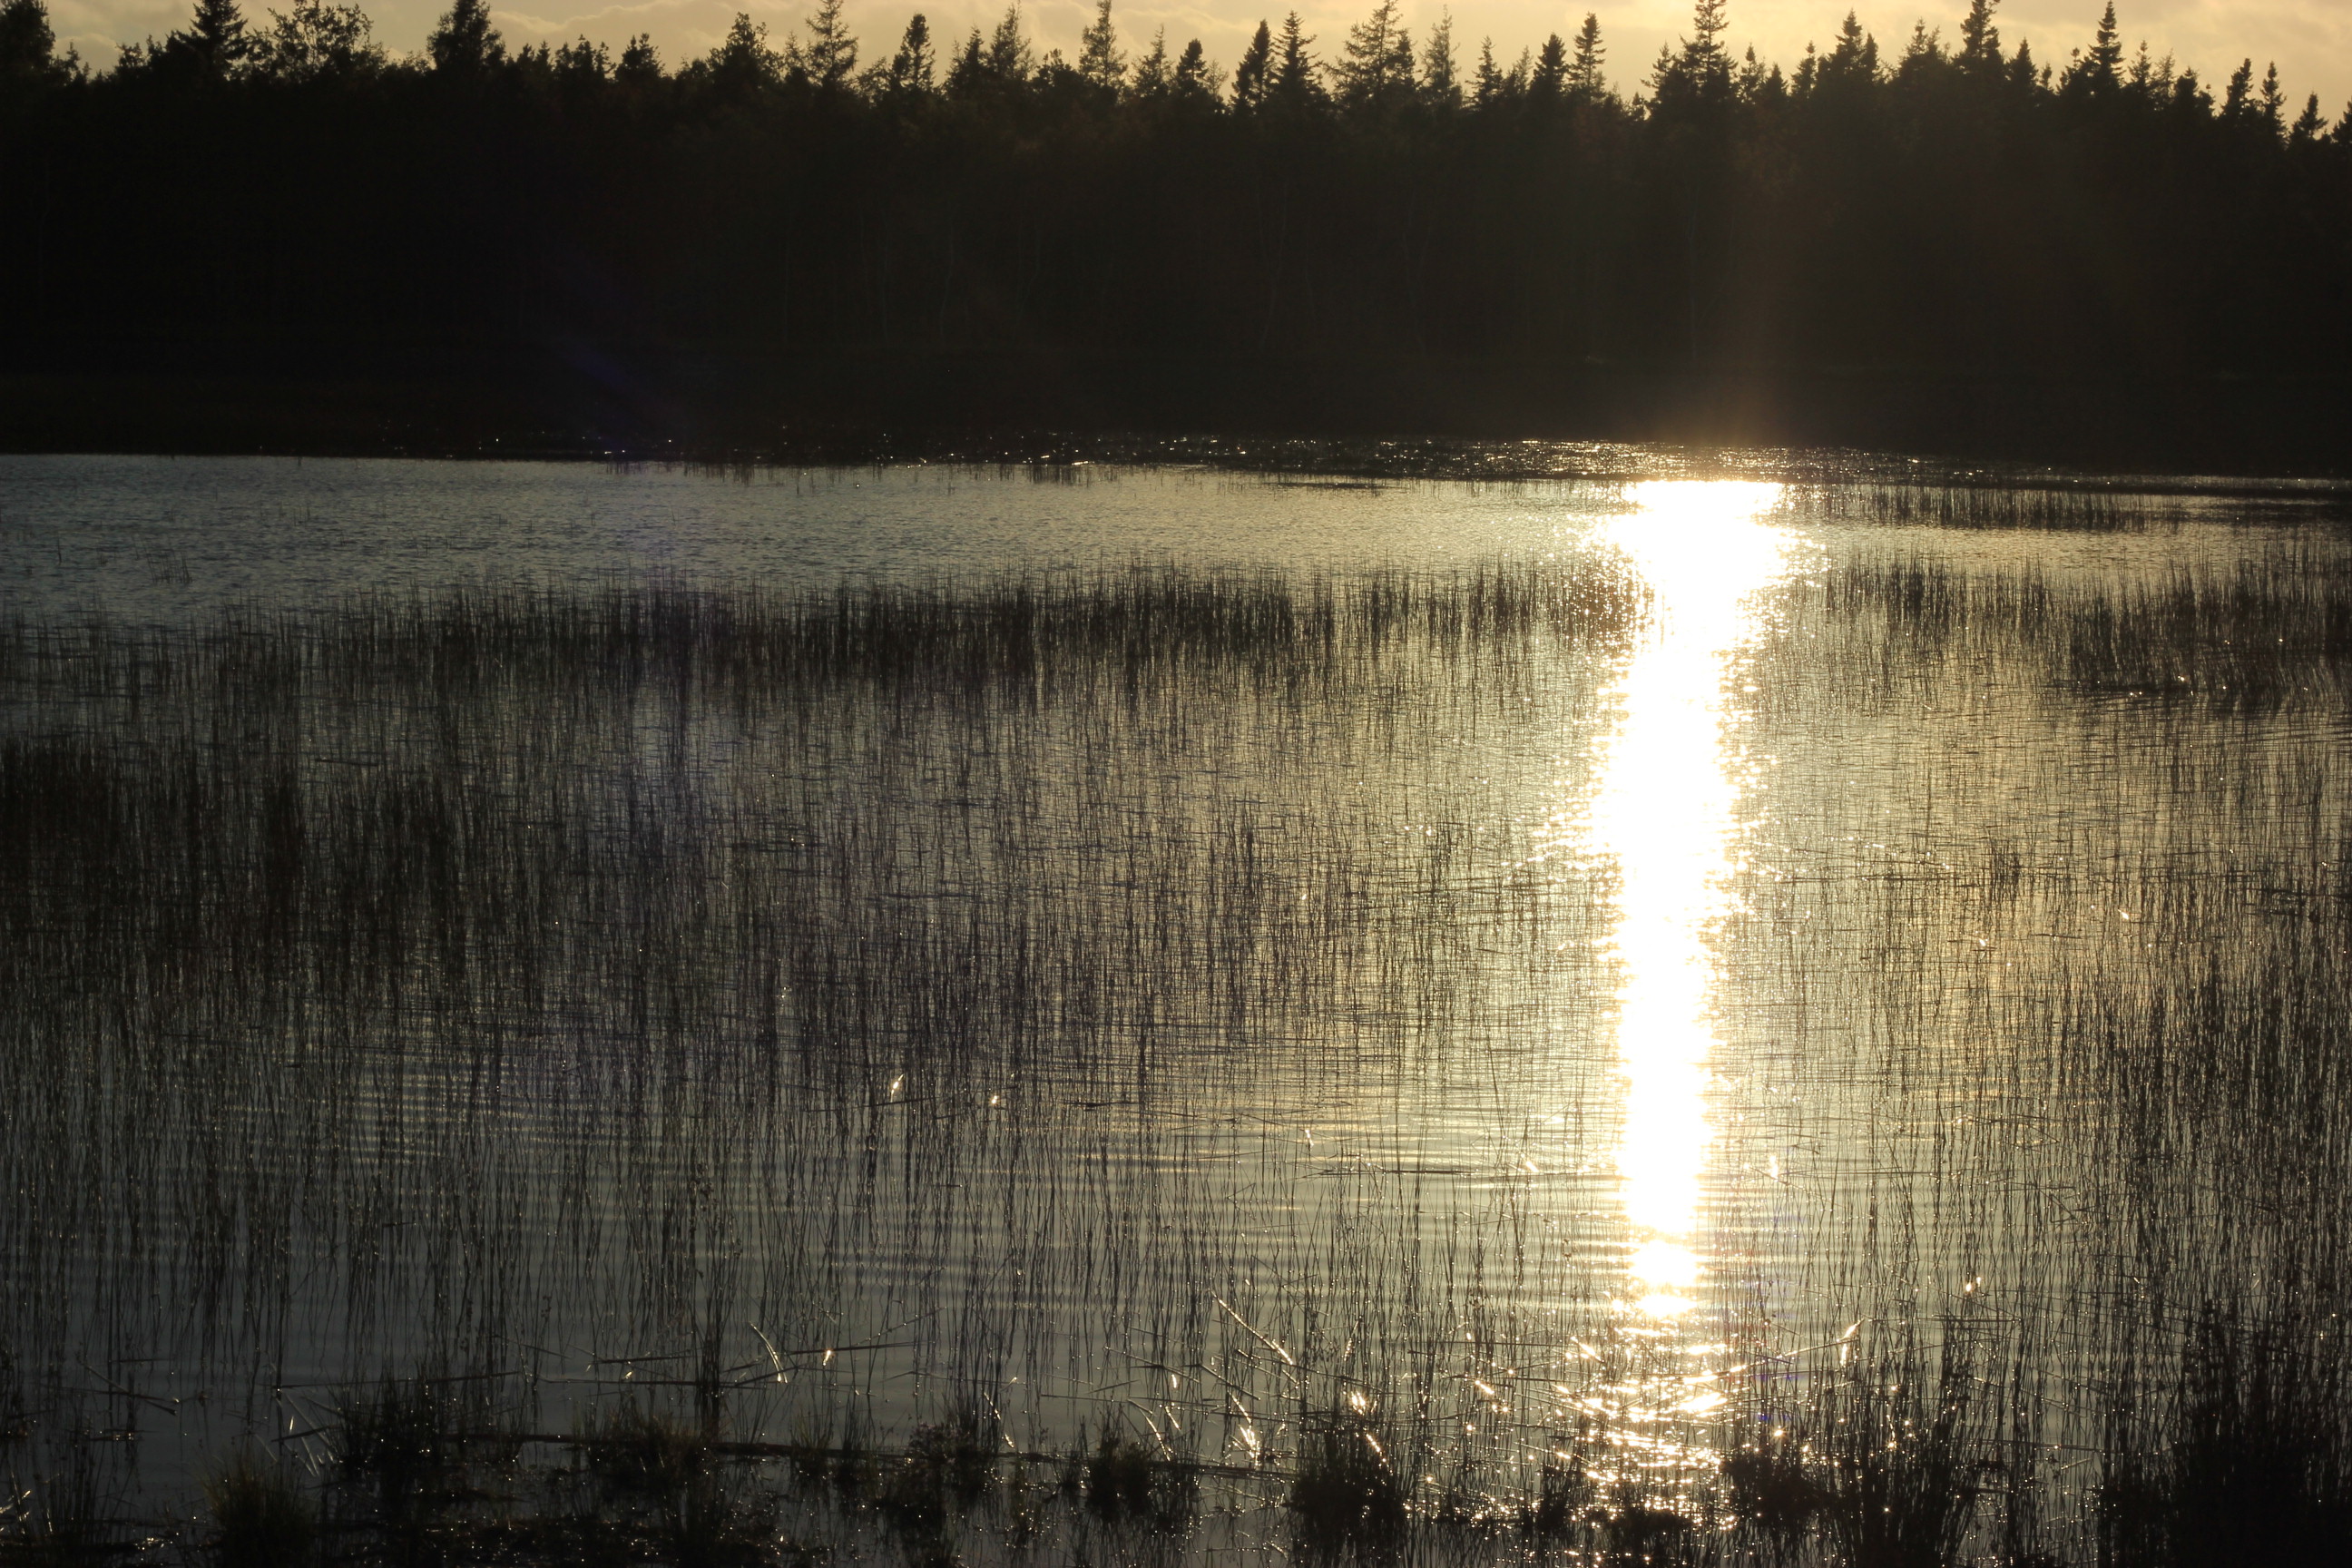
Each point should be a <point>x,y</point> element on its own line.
<point>2311,41</point>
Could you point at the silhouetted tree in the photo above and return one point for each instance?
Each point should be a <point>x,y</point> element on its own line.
<point>1584,75</point>
<point>1196,80</point>
<point>1294,82</point>
<point>1152,79</point>
<point>913,69</point>
<point>1375,68</point>
<point>465,45</point>
<point>829,58</point>
<point>1253,76</point>
<point>1979,39</point>
<point>1439,71</point>
<point>1551,76</point>
<point>318,40</point>
<point>1099,60</point>
<point>214,46</point>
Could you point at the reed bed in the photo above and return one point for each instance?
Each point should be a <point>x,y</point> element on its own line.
<point>1097,1067</point>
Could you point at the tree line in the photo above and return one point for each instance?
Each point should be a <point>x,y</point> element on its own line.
<point>1944,203</point>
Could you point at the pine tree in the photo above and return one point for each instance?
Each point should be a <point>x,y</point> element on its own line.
<point>1099,60</point>
<point>1584,78</point>
<point>465,45</point>
<point>1253,76</point>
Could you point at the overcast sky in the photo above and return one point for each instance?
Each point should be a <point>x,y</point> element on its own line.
<point>2310,40</point>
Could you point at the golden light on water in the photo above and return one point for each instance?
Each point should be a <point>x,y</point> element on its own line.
<point>1667,813</point>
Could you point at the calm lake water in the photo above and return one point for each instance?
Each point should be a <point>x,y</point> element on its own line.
<point>1699,1017</point>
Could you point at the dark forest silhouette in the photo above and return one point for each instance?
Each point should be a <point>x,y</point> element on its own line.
<point>1946,205</point>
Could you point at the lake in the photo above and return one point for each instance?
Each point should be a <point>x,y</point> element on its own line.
<point>556,1012</point>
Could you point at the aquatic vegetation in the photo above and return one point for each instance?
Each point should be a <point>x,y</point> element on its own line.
<point>1128,1062</point>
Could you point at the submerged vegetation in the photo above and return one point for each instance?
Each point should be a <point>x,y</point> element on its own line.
<point>1114,1065</point>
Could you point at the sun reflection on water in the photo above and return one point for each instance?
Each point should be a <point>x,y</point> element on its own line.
<point>1665,813</point>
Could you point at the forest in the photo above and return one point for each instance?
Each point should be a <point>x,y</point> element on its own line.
<point>280,185</point>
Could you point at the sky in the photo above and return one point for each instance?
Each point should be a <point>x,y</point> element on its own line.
<point>2311,41</point>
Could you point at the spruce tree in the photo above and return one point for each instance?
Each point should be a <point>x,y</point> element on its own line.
<point>214,46</point>
<point>1195,80</point>
<point>914,67</point>
<point>1584,78</point>
<point>1010,60</point>
<point>1099,60</point>
<point>1152,73</point>
<point>1551,78</point>
<point>1294,68</point>
<point>1438,70</point>
<point>830,54</point>
<point>1979,39</point>
<point>1255,76</point>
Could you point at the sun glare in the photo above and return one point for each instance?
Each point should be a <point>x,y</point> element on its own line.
<point>1667,813</point>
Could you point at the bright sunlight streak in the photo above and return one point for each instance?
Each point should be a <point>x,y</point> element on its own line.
<point>1665,812</point>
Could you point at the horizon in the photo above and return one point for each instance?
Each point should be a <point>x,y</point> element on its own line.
<point>2310,43</point>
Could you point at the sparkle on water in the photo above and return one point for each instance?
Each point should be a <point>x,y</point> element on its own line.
<point>1666,812</point>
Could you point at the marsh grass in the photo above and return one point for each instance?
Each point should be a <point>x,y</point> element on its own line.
<point>262,1516</point>
<point>946,1071</point>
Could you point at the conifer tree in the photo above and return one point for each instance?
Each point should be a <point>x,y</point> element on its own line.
<point>743,62</point>
<point>1584,78</point>
<point>214,44</point>
<point>1010,60</point>
<point>1099,59</point>
<point>639,68</point>
<point>1255,76</point>
<point>28,49</point>
<point>1195,80</point>
<point>2311,126</point>
<point>1551,78</point>
<point>1486,86</point>
<point>830,56</point>
<point>1438,69</point>
<point>2097,72</point>
<point>915,66</point>
<point>1979,39</point>
<point>1294,80</point>
<point>2237,100</point>
<point>465,45</point>
<point>1376,67</point>
<point>2274,103</point>
<point>1154,77</point>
